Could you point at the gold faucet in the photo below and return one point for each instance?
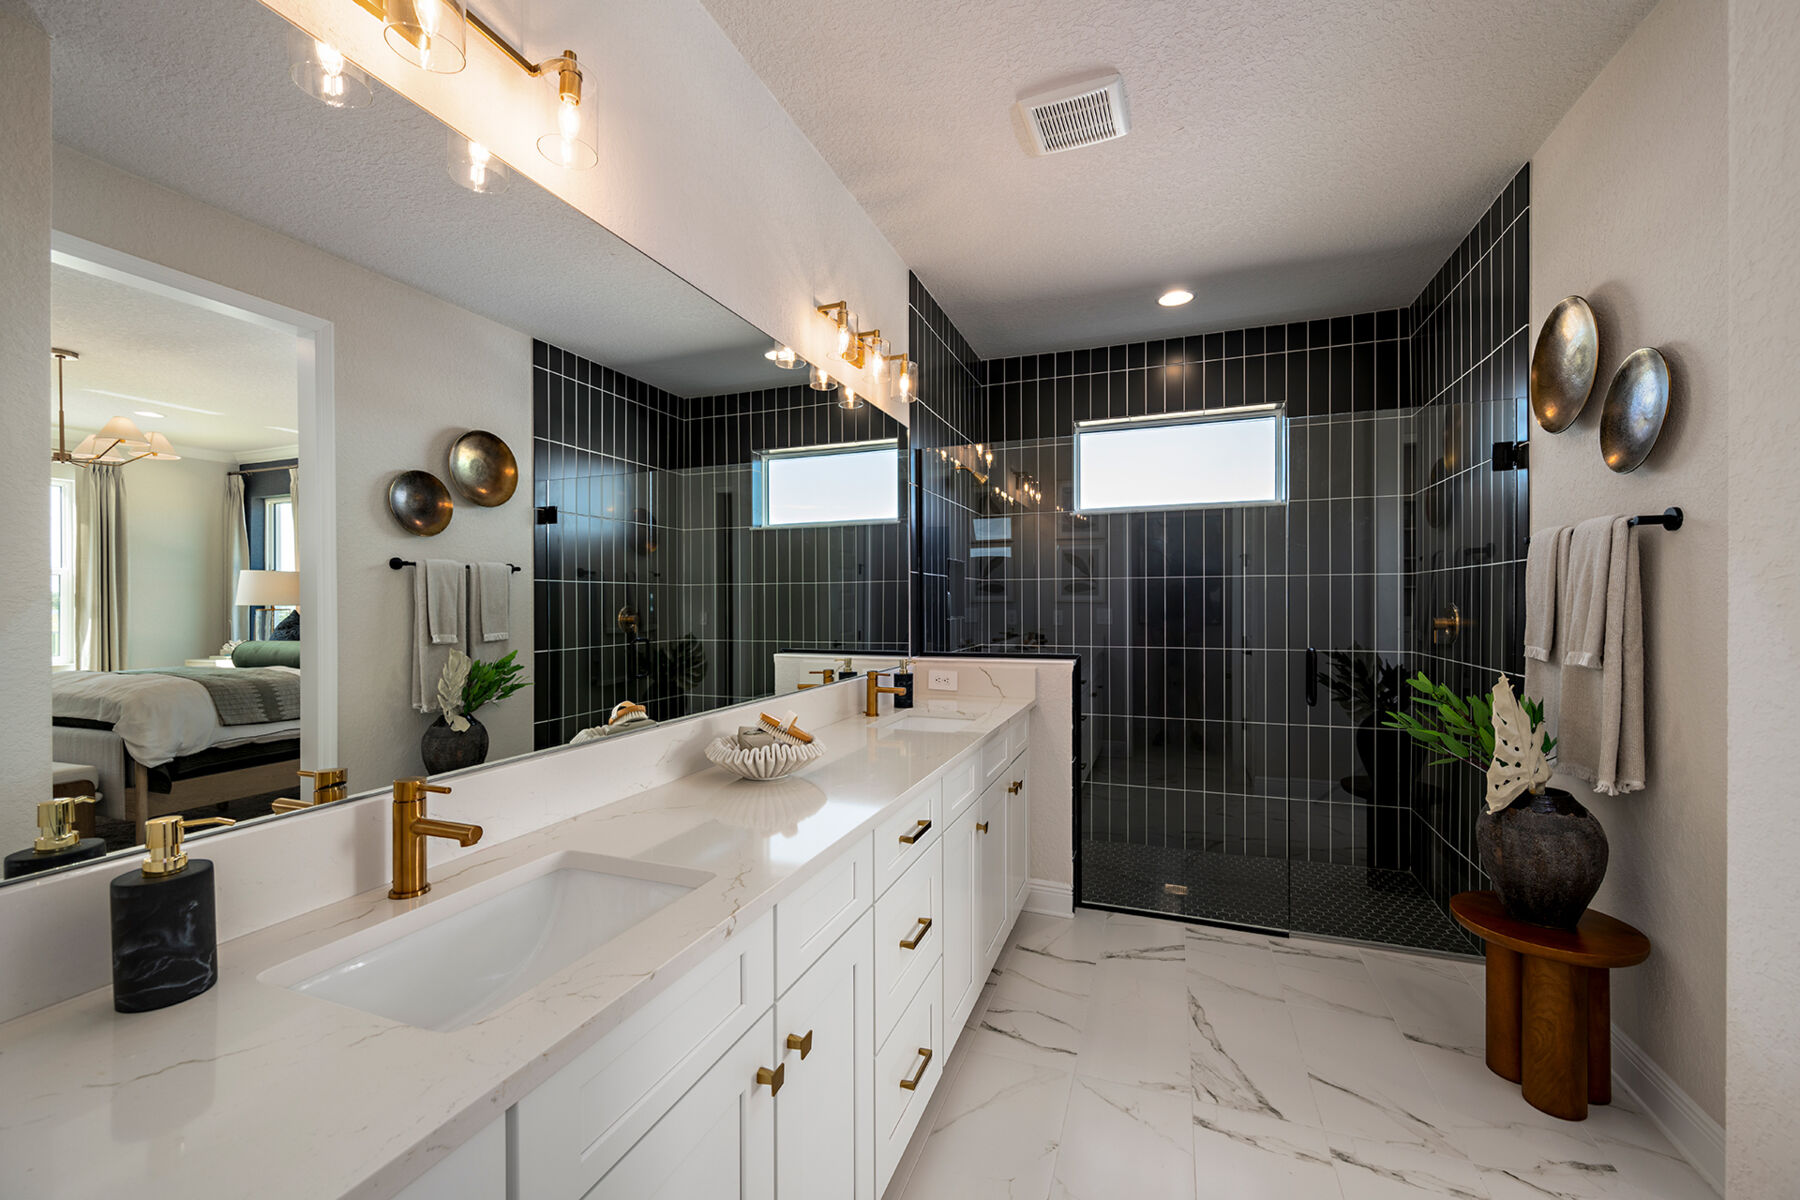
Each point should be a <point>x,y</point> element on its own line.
<point>330,784</point>
<point>873,709</point>
<point>411,828</point>
<point>830,676</point>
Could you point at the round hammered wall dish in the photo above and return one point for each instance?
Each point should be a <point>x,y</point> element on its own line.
<point>483,469</point>
<point>1564,364</point>
<point>421,503</point>
<point>1636,404</point>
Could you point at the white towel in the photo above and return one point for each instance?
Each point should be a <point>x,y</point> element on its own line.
<point>1597,713</point>
<point>438,616</point>
<point>493,602</point>
<point>1543,564</point>
<point>1584,608</point>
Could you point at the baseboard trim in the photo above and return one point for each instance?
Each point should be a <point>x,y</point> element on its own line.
<point>1049,898</point>
<point>1699,1138</point>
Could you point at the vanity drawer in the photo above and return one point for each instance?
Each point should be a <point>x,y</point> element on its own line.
<point>810,920</point>
<point>1018,735</point>
<point>903,839</point>
<point>915,1055</point>
<point>911,912</point>
<point>994,757</point>
<point>962,787</point>
<point>571,1130</point>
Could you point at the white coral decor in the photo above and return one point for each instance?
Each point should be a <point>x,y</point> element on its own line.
<point>450,690</point>
<point>772,761</point>
<point>1519,760</point>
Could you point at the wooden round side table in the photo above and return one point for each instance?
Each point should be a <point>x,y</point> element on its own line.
<point>1549,1001</point>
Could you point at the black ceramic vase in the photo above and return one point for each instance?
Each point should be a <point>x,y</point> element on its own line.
<point>1545,855</point>
<point>444,749</point>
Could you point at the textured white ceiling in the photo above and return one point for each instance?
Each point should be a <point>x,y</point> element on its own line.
<point>1287,158</point>
<point>140,350</point>
<point>194,95</point>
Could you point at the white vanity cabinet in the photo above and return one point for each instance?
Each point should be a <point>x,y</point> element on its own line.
<point>797,1061</point>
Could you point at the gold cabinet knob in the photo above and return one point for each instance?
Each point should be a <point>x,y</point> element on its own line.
<point>912,943</point>
<point>772,1078</point>
<point>981,826</point>
<point>1015,787</point>
<point>915,835</point>
<point>924,1061</point>
<point>802,1044</point>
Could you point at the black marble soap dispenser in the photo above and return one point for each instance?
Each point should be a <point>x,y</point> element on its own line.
<point>165,933</point>
<point>57,843</point>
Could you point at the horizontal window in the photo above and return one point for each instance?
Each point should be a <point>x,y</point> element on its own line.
<point>849,484</point>
<point>1192,460</point>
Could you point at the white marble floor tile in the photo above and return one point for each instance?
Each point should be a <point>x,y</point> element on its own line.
<point>1327,958</point>
<point>995,1133</point>
<point>1373,1170</point>
<point>1035,1010</point>
<point>1136,1031</point>
<point>1430,999</point>
<point>1538,1163</point>
<point>1243,1056</point>
<point>1246,1156</point>
<point>1125,1141</point>
<point>1472,1097</point>
<point>1337,990</point>
<point>1365,1081</point>
<point>1661,1174</point>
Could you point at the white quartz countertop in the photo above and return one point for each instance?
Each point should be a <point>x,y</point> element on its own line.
<point>253,1089</point>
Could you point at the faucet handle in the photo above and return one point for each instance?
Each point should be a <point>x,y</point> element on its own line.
<point>414,789</point>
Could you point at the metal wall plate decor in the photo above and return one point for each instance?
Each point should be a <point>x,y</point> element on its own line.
<point>1564,364</point>
<point>483,469</point>
<point>421,503</point>
<point>1636,404</point>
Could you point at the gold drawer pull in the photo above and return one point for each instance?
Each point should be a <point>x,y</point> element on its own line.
<point>981,826</point>
<point>802,1044</point>
<point>915,835</point>
<point>913,943</point>
<point>772,1078</point>
<point>1015,787</point>
<point>924,1061</point>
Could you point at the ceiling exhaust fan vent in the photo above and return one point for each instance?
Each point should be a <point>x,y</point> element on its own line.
<point>1069,118</point>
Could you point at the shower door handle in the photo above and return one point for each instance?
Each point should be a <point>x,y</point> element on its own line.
<point>1312,677</point>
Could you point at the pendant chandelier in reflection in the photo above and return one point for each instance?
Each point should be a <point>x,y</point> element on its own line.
<point>119,443</point>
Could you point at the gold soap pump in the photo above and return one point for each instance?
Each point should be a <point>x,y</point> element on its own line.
<point>58,842</point>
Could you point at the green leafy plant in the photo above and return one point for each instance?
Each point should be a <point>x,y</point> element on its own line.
<point>1362,683</point>
<point>1457,728</point>
<point>492,682</point>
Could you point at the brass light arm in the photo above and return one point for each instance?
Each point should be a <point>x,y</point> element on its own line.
<point>565,63</point>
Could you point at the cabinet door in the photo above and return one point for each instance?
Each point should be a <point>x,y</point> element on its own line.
<point>991,908</point>
<point>825,1043</point>
<point>1018,835</point>
<point>718,1142</point>
<point>962,863</point>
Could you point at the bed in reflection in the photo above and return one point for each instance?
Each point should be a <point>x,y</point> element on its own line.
<point>174,739</point>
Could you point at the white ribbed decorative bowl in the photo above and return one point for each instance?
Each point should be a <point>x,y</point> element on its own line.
<point>765,762</point>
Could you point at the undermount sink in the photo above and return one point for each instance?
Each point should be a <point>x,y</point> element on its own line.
<point>448,963</point>
<point>934,724</point>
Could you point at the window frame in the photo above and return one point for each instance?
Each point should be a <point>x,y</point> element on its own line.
<point>68,639</point>
<point>759,486</point>
<point>270,560</point>
<point>1283,457</point>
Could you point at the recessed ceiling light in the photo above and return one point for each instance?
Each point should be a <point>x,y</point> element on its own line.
<point>1174,298</point>
<point>144,412</point>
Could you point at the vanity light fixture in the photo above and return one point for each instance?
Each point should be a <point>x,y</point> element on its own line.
<point>473,165</point>
<point>838,313</point>
<point>849,400</point>
<point>905,382</point>
<point>119,441</point>
<point>783,357</point>
<point>573,143</point>
<point>431,34</point>
<point>820,381</point>
<point>1174,298</point>
<point>321,71</point>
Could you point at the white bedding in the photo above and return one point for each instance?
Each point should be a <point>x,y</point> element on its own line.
<point>158,717</point>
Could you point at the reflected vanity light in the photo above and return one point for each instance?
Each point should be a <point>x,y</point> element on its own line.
<point>819,381</point>
<point>849,400</point>
<point>321,71</point>
<point>430,34</point>
<point>783,357</point>
<point>473,166</point>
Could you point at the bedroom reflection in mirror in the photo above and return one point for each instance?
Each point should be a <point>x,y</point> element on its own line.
<point>175,562</point>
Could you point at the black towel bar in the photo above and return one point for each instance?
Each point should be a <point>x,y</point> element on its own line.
<point>1669,519</point>
<point>394,564</point>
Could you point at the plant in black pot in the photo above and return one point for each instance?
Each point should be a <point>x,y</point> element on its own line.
<point>456,739</point>
<point>1365,686</point>
<point>1544,853</point>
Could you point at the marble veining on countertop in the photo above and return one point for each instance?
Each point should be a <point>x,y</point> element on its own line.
<point>252,1081</point>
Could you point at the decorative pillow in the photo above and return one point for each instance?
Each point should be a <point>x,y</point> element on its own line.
<point>288,630</point>
<point>266,654</point>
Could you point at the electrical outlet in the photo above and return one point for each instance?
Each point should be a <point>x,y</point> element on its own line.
<point>942,681</point>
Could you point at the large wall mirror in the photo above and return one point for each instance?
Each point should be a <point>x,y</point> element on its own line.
<point>691,524</point>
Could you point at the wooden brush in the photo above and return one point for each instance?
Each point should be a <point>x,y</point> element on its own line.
<point>789,730</point>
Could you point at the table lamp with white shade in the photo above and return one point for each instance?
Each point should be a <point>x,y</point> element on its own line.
<point>266,591</point>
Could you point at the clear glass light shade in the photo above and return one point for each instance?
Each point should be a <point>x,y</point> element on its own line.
<point>783,357</point>
<point>849,400</point>
<point>431,34</point>
<point>321,71</point>
<point>572,125</point>
<point>473,165</point>
<point>819,381</point>
<point>906,380</point>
